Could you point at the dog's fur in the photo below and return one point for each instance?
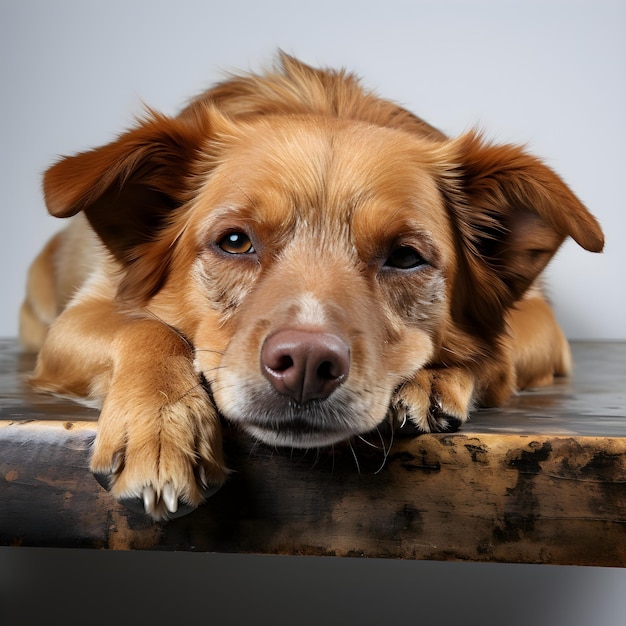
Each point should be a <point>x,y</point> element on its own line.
<point>280,216</point>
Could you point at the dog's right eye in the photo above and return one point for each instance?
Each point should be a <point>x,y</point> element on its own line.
<point>404,258</point>
<point>236,243</point>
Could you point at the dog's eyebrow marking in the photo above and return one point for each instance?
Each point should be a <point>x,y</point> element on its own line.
<point>311,311</point>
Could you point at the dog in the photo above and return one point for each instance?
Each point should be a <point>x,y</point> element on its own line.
<point>301,258</point>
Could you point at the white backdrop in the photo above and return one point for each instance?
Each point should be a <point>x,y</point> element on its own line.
<point>547,73</point>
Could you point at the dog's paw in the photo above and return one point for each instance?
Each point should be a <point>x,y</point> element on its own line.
<point>434,401</point>
<point>162,460</point>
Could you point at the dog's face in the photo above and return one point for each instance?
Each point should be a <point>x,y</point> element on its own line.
<point>323,248</point>
<point>318,261</point>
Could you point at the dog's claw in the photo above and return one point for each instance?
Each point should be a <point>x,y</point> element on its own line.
<point>408,428</point>
<point>202,477</point>
<point>170,498</point>
<point>167,506</point>
<point>103,480</point>
<point>149,499</point>
<point>118,461</point>
<point>452,424</point>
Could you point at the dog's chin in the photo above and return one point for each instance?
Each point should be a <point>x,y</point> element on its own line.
<point>296,436</point>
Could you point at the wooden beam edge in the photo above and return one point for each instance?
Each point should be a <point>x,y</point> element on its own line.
<point>511,498</point>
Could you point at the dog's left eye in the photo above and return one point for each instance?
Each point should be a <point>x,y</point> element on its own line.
<point>404,258</point>
<point>236,243</point>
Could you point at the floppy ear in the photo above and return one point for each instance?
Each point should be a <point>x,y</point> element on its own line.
<point>129,191</point>
<point>512,213</point>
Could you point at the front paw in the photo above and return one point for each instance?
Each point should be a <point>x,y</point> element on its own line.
<point>163,460</point>
<point>434,401</point>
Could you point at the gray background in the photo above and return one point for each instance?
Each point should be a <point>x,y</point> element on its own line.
<point>547,73</point>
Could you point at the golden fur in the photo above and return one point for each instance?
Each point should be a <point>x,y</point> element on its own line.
<point>280,216</point>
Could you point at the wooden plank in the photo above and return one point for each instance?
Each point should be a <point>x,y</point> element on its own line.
<point>502,489</point>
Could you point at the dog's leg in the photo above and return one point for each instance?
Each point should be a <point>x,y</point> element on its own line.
<point>159,438</point>
<point>54,277</point>
<point>41,305</point>
<point>534,352</point>
<point>539,348</point>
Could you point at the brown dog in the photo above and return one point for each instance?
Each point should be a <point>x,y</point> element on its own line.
<point>303,258</point>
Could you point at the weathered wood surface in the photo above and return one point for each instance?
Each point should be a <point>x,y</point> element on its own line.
<point>541,481</point>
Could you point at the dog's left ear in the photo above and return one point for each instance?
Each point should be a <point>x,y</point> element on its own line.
<point>512,213</point>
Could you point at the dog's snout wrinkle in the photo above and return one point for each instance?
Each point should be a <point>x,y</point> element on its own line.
<point>305,365</point>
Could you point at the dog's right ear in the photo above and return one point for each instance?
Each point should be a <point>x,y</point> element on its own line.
<point>130,190</point>
<point>125,187</point>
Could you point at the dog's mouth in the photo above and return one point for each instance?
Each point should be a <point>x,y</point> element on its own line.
<point>295,436</point>
<point>316,423</point>
<point>296,433</point>
<point>279,421</point>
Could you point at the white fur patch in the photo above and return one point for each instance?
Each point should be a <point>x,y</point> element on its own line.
<point>311,311</point>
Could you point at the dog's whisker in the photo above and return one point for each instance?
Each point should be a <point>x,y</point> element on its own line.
<point>215,368</point>
<point>382,441</point>
<point>356,460</point>
<point>256,444</point>
<point>386,452</point>
<point>369,443</point>
<point>316,459</point>
<point>219,389</point>
<point>184,394</point>
<point>212,351</point>
<point>175,330</point>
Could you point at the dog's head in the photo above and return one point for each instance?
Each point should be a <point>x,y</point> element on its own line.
<point>317,245</point>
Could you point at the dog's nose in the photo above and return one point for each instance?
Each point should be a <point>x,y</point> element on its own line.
<point>305,365</point>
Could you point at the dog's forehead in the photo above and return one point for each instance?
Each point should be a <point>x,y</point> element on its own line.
<point>331,176</point>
